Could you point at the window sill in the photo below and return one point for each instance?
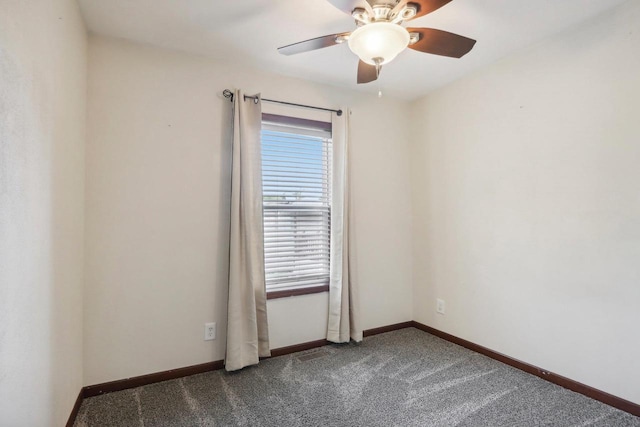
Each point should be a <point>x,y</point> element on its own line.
<point>297,292</point>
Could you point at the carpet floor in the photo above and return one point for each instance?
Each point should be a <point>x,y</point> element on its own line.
<point>401,378</point>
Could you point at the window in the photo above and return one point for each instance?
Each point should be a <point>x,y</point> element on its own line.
<point>296,191</point>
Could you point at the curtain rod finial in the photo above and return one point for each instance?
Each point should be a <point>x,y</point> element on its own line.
<point>228,94</point>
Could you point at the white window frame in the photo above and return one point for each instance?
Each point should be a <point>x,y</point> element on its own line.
<point>312,266</point>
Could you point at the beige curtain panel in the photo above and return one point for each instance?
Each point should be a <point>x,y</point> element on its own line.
<point>344,323</point>
<point>247,332</point>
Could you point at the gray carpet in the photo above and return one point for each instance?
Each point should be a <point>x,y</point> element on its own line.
<point>402,378</point>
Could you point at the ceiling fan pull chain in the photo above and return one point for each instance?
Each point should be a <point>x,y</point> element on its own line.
<point>378,62</point>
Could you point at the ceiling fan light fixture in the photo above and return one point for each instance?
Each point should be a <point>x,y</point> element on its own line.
<point>378,40</point>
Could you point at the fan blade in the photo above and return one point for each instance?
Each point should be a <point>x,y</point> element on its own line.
<point>367,73</point>
<point>313,44</point>
<point>442,43</point>
<point>424,6</point>
<point>347,6</point>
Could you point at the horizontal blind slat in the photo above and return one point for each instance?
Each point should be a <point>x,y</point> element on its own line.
<point>280,246</point>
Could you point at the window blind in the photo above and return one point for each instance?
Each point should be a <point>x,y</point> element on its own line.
<point>296,190</point>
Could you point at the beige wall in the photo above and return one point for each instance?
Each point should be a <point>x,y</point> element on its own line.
<point>157,209</point>
<point>526,195</point>
<point>42,121</point>
<point>523,181</point>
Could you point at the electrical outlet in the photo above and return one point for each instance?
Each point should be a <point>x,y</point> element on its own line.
<point>209,331</point>
<point>440,306</point>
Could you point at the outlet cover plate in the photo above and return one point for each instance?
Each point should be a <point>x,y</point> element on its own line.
<point>440,306</point>
<point>210,331</point>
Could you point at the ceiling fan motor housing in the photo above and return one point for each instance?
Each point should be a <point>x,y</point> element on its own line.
<point>385,13</point>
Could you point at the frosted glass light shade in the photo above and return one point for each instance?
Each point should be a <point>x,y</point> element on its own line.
<point>378,40</point>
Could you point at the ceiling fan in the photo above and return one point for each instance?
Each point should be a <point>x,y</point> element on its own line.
<point>380,36</point>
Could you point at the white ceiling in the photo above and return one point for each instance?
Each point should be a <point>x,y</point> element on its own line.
<point>250,31</point>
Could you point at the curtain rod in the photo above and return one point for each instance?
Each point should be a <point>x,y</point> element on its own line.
<point>229,95</point>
